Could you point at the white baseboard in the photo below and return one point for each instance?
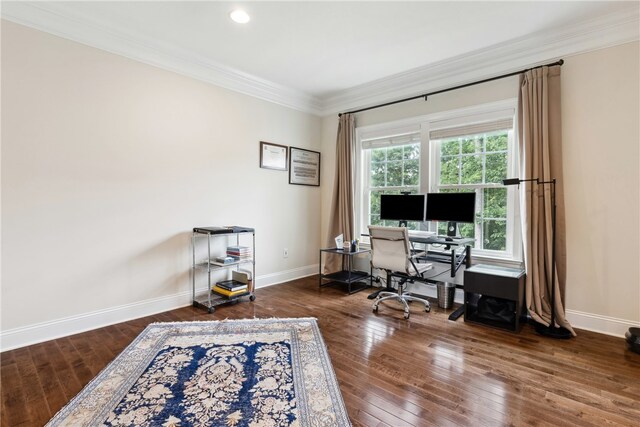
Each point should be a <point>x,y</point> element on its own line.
<point>580,320</point>
<point>598,323</point>
<point>45,331</point>
<point>285,276</point>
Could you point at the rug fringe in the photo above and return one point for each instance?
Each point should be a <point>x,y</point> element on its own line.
<point>273,319</point>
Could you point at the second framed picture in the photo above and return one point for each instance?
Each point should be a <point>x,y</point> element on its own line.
<point>273,156</point>
<point>304,167</point>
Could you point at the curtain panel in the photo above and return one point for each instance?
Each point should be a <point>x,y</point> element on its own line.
<point>341,214</point>
<point>540,150</point>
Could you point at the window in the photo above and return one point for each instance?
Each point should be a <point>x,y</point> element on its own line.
<point>462,150</point>
<point>391,166</point>
<point>479,163</point>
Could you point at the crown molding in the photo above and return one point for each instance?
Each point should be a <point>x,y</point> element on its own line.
<point>606,31</point>
<point>55,19</point>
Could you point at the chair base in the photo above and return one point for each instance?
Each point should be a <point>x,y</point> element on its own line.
<point>404,298</point>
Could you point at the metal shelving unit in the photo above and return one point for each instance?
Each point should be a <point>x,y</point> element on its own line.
<point>204,297</point>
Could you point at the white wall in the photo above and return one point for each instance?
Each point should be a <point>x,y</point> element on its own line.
<point>601,149</point>
<point>601,142</point>
<point>107,164</point>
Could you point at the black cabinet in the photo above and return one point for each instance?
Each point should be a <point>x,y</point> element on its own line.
<point>494,296</point>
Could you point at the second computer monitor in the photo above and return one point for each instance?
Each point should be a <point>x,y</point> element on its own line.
<point>452,208</point>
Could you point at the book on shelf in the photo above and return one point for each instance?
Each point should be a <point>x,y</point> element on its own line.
<point>243,276</point>
<point>242,251</point>
<point>239,257</point>
<point>227,293</point>
<point>223,260</point>
<point>232,285</point>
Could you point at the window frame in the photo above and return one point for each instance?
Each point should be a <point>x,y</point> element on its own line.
<point>430,167</point>
<point>363,161</point>
<point>367,185</point>
<point>510,252</point>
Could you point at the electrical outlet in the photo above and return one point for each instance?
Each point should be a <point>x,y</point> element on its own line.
<point>285,253</point>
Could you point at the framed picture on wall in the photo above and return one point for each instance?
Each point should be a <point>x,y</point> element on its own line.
<point>304,167</point>
<point>273,156</point>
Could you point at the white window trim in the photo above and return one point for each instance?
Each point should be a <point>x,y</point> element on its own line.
<point>424,124</point>
<point>363,157</point>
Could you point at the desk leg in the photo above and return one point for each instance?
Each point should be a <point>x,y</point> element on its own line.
<point>454,257</point>
<point>320,271</point>
<point>468,256</point>
<point>460,310</point>
<point>349,274</point>
<point>457,313</point>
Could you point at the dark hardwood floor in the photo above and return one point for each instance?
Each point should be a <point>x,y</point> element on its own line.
<point>424,371</point>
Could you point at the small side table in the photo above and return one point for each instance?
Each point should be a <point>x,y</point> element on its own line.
<point>493,281</point>
<point>347,275</point>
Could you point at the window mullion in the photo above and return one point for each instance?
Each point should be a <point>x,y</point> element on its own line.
<point>459,162</point>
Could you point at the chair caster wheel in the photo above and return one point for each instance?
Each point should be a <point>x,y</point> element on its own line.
<point>406,315</point>
<point>252,298</point>
<point>211,310</point>
<point>375,308</point>
<point>427,309</point>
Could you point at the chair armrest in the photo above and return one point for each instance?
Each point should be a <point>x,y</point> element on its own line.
<point>418,254</point>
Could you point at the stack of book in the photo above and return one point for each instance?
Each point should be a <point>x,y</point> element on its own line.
<point>230,288</point>
<point>239,253</point>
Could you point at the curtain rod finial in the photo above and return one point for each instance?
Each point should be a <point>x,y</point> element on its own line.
<point>561,62</point>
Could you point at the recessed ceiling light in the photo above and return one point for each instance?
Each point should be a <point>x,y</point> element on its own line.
<point>240,16</point>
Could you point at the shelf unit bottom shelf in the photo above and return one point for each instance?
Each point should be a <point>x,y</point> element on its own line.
<point>354,281</point>
<point>344,277</point>
<point>203,301</point>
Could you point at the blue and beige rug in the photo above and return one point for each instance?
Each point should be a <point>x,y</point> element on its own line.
<point>254,373</point>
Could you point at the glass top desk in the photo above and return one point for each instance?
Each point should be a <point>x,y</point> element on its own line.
<point>450,253</point>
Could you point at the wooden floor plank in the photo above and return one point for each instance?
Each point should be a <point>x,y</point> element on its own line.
<point>392,372</point>
<point>15,411</point>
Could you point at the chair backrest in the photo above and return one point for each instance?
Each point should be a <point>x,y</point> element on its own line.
<point>390,248</point>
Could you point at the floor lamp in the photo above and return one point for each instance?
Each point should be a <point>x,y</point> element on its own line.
<point>551,330</point>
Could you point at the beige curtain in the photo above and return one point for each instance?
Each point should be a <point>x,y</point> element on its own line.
<point>540,145</point>
<point>341,215</point>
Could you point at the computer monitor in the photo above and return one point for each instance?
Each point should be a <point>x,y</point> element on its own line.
<point>402,207</point>
<point>451,207</point>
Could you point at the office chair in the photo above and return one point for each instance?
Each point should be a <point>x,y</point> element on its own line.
<point>391,251</point>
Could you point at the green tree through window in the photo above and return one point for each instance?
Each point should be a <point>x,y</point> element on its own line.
<point>392,170</point>
<point>478,163</point>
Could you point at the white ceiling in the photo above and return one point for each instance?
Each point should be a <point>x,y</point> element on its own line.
<point>318,51</point>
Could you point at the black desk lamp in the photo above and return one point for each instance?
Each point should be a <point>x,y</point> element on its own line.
<point>551,330</point>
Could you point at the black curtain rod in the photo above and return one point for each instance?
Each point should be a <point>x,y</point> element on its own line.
<point>426,95</point>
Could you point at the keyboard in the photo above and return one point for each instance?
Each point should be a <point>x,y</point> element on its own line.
<point>421,233</point>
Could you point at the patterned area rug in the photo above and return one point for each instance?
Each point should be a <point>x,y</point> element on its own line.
<point>255,373</point>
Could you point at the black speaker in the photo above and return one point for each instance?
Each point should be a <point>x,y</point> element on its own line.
<point>452,229</point>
